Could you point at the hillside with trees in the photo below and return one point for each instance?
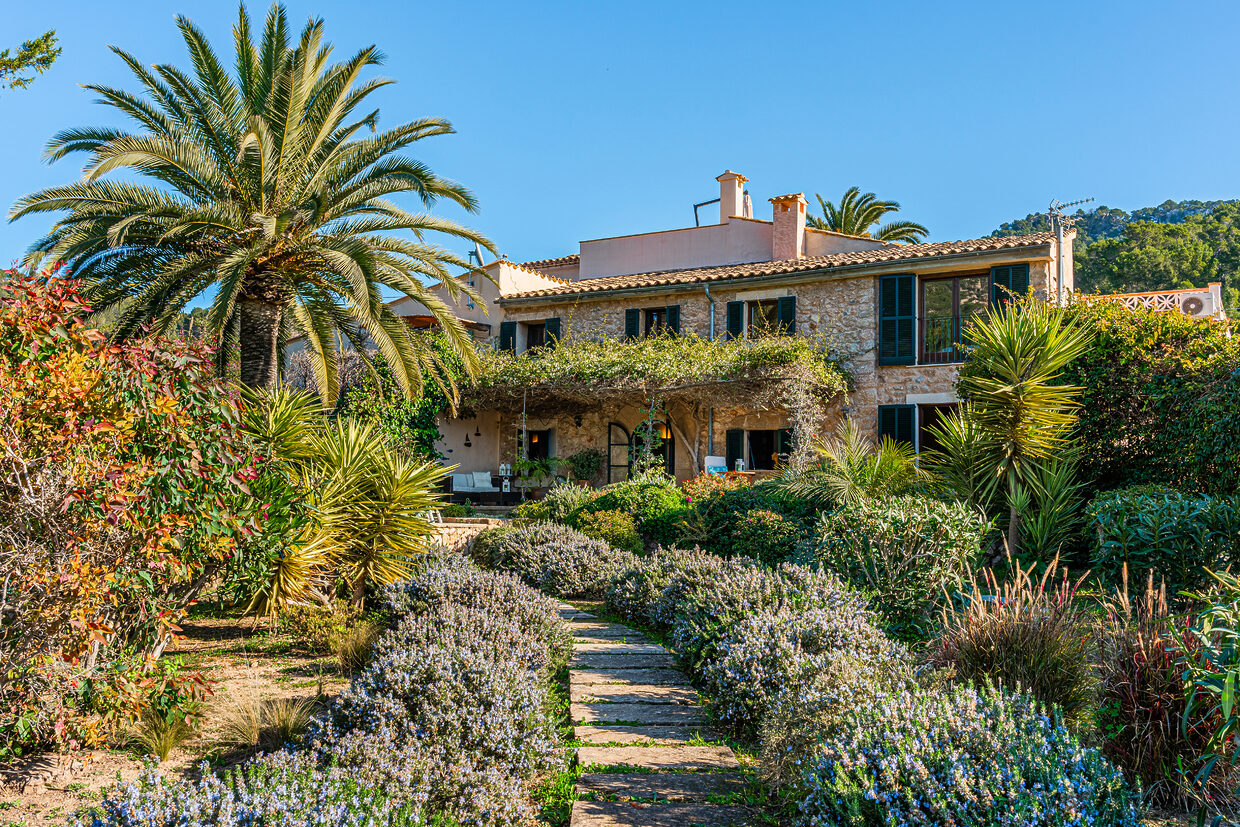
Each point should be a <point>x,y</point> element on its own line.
<point>1174,245</point>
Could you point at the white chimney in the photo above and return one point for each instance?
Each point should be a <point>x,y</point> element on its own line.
<point>731,195</point>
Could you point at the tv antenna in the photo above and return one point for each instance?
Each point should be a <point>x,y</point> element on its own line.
<point>1059,219</point>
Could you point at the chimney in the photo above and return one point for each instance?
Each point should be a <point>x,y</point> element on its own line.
<point>731,195</point>
<point>788,234</point>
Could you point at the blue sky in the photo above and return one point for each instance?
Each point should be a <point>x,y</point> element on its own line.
<point>582,120</point>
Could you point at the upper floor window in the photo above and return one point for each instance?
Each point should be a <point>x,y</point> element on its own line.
<point>535,335</point>
<point>758,317</point>
<point>947,305</point>
<point>518,337</point>
<point>651,321</point>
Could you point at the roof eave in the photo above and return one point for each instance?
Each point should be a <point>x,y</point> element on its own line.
<point>796,277</point>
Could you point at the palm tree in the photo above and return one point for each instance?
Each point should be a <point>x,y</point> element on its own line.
<point>269,185</point>
<point>1018,414</point>
<point>857,214</point>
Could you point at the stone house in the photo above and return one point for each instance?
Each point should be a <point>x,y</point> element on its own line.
<point>892,313</point>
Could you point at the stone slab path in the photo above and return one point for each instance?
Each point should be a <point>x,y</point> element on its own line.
<point>644,758</point>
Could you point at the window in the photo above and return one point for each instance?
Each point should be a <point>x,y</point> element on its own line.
<point>537,444</point>
<point>929,417</point>
<point>618,457</point>
<point>651,321</point>
<point>662,444</point>
<point>947,304</point>
<point>535,335</point>
<point>898,422</point>
<point>469,280</point>
<point>758,317</point>
<point>761,450</point>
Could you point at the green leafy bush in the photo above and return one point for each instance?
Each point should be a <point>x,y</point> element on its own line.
<point>1024,633</point>
<point>489,544</point>
<point>961,757</point>
<point>902,551</point>
<point>320,628</point>
<point>766,535</point>
<point>585,464</point>
<point>1161,399</point>
<point>654,499</point>
<point>465,509</point>
<point>616,528</point>
<point>561,500</point>
<point>1176,536</point>
<point>717,504</point>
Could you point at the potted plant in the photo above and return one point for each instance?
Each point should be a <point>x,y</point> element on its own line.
<point>533,473</point>
<point>584,465</point>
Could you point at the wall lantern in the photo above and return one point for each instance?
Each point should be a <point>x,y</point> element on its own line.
<point>468,444</point>
<point>577,420</point>
<point>663,431</point>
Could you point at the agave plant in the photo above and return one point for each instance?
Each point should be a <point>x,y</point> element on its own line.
<point>261,188</point>
<point>850,467</point>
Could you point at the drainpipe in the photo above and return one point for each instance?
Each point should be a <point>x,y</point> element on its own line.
<point>1059,256</point>
<point>710,412</point>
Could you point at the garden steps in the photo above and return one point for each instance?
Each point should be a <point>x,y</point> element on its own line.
<point>642,731</point>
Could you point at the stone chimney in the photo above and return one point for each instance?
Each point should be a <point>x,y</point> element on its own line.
<point>788,234</point>
<point>731,195</point>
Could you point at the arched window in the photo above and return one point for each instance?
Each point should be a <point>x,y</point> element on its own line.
<point>619,457</point>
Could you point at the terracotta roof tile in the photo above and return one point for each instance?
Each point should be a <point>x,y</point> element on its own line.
<point>551,262</point>
<point>882,255</point>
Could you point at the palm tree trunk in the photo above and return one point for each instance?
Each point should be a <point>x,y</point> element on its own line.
<point>260,342</point>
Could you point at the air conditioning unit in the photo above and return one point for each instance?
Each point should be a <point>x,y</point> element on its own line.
<point>1192,306</point>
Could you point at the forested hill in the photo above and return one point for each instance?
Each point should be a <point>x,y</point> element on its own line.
<point>1176,244</point>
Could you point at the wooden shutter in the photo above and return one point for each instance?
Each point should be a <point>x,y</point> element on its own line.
<point>632,324</point>
<point>1008,281</point>
<point>673,318</point>
<point>736,320</point>
<point>788,315</point>
<point>551,331</point>
<point>508,336</point>
<point>898,422</point>
<point>735,440</point>
<point>897,322</point>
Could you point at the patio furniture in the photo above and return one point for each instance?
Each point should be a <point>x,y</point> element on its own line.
<point>472,485</point>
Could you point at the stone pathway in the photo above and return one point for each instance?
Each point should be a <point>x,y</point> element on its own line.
<point>643,736</point>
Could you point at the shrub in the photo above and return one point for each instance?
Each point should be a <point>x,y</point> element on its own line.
<point>1028,634</point>
<point>826,658</point>
<point>709,607</point>
<point>320,628</point>
<point>453,709</point>
<point>766,535</point>
<point>452,581</point>
<point>1159,400</point>
<point>1176,536</point>
<point>465,509</point>
<point>616,528</point>
<point>654,500</point>
<point>487,545</point>
<point>352,649</point>
<point>586,464</point>
<point>559,560</point>
<point>1144,706</point>
<point>717,507</point>
<point>285,788</point>
<point>961,757</point>
<point>902,552</point>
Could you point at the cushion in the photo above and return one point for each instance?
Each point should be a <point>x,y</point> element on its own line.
<point>482,479</point>
<point>460,481</point>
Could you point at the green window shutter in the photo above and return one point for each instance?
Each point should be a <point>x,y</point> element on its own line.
<point>897,322</point>
<point>632,324</point>
<point>1008,281</point>
<point>735,439</point>
<point>898,422</point>
<point>736,320</point>
<point>788,315</point>
<point>673,318</point>
<point>551,330</point>
<point>508,336</point>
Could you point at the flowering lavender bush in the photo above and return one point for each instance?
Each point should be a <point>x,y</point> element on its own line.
<point>961,757</point>
<point>288,789</point>
<point>819,660</point>
<point>454,581</point>
<point>649,591</point>
<point>709,607</point>
<point>560,560</point>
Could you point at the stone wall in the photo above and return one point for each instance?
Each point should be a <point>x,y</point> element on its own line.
<point>459,533</point>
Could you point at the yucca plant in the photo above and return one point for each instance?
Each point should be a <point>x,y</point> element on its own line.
<point>849,467</point>
<point>1019,412</point>
<point>267,187</point>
